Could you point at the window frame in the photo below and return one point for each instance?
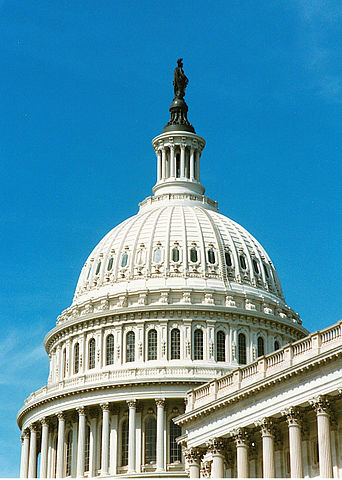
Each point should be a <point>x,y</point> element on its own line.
<point>152,344</point>
<point>130,347</point>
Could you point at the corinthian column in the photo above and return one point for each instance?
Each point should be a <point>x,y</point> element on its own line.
<point>240,437</point>
<point>267,434</point>
<point>44,448</point>
<point>105,439</point>
<point>216,448</point>
<point>25,445</point>
<point>160,434</point>
<point>293,418</point>
<point>60,445</point>
<point>81,441</point>
<point>32,472</point>
<point>193,457</point>
<point>131,435</point>
<point>322,408</point>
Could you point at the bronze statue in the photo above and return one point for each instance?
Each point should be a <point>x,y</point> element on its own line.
<point>180,80</point>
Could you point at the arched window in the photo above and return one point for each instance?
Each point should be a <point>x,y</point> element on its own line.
<point>220,346</point>
<point>175,448</point>
<point>110,264</point>
<point>91,353</point>
<point>152,345</point>
<point>98,268</point>
<point>228,258</point>
<point>255,266</point>
<point>276,345</point>
<point>124,443</point>
<point>64,362</point>
<point>261,347</point>
<point>198,344</point>
<point>130,347</point>
<point>150,440</point>
<point>242,349</point>
<point>87,449</point>
<point>175,344</point>
<point>193,255</point>
<point>175,254</point>
<point>243,262</point>
<point>68,459</point>
<point>124,260</point>
<point>76,358</point>
<point>110,350</point>
<point>211,256</point>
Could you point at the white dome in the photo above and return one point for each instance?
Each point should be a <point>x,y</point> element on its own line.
<point>157,248</point>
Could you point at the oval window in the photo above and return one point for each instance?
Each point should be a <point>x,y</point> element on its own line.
<point>98,268</point>
<point>175,254</point>
<point>243,262</point>
<point>211,256</point>
<point>157,255</point>
<point>110,264</point>
<point>255,266</point>
<point>193,255</point>
<point>124,260</point>
<point>228,258</point>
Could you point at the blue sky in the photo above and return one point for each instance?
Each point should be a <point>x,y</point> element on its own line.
<point>86,85</point>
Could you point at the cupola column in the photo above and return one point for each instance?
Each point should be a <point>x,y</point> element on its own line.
<point>105,439</point>
<point>60,445</point>
<point>182,161</point>
<point>163,153</point>
<point>131,435</point>
<point>81,441</point>
<point>192,163</point>
<point>25,446</point>
<point>172,162</point>
<point>159,175</point>
<point>44,448</point>
<point>160,434</point>
<point>33,452</point>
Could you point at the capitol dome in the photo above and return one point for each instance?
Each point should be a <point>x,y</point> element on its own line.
<point>172,297</point>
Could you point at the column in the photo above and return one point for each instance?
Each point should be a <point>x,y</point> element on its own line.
<point>182,161</point>
<point>192,163</point>
<point>163,165</point>
<point>322,408</point>
<point>293,419</point>
<point>160,434</point>
<point>114,426</point>
<point>216,448</point>
<point>240,437</point>
<point>266,427</point>
<point>32,471</point>
<point>44,448</point>
<point>105,439</point>
<point>158,165</point>
<point>74,447</point>
<point>25,446</point>
<point>131,435</point>
<point>60,445</point>
<point>92,446</point>
<point>193,457</point>
<point>81,441</point>
<point>172,161</point>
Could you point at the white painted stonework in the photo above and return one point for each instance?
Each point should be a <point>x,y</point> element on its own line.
<point>170,299</point>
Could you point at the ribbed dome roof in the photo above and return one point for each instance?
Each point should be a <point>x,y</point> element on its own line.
<point>177,243</point>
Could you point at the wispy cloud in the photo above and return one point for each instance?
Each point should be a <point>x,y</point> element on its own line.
<point>320,39</point>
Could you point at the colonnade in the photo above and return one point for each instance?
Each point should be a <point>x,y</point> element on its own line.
<point>219,450</point>
<point>179,161</point>
<point>37,439</point>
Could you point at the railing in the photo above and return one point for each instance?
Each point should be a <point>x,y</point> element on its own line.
<point>290,355</point>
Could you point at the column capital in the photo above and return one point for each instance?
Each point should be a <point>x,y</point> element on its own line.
<point>33,427</point>
<point>80,410</point>
<point>193,454</point>
<point>293,416</point>
<point>321,405</point>
<point>160,402</point>
<point>44,422</point>
<point>26,433</point>
<point>132,403</point>
<point>240,437</point>
<point>105,407</point>
<point>216,446</point>
<point>266,426</point>
<point>61,416</point>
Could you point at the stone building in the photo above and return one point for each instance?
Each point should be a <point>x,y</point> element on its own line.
<point>180,298</point>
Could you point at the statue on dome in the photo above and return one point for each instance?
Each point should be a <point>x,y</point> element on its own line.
<point>180,81</point>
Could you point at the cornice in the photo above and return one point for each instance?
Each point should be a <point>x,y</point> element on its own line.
<point>252,389</point>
